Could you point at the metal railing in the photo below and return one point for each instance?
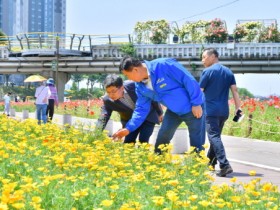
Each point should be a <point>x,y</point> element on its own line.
<point>45,40</point>
<point>106,46</point>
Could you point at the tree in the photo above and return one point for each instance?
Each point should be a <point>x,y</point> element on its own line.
<point>77,78</point>
<point>92,80</point>
<point>3,38</point>
<point>2,33</point>
<point>243,93</point>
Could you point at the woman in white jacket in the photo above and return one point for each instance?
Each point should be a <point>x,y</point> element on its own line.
<point>42,95</point>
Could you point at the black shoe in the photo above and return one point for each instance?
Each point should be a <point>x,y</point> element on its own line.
<point>224,171</point>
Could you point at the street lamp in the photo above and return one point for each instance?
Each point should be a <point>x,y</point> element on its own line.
<point>57,61</point>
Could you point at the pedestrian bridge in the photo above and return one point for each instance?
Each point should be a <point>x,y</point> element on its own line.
<point>73,53</point>
<point>57,55</point>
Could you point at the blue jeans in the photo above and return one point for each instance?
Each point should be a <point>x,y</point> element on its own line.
<point>41,113</point>
<point>170,123</point>
<point>144,131</point>
<point>216,152</point>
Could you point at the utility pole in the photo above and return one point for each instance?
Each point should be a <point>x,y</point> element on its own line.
<point>57,61</point>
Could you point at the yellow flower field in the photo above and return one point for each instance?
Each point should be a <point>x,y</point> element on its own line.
<point>48,167</point>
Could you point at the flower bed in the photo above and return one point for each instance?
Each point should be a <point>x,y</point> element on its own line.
<point>45,167</point>
<point>262,120</point>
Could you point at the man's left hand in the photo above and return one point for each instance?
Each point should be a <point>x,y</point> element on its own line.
<point>197,111</point>
<point>120,133</point>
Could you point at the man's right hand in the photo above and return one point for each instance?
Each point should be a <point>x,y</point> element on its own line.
<point>197,111</point>
<point>120,133</point>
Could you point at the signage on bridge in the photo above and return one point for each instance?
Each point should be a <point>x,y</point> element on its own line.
<point>54,65</point>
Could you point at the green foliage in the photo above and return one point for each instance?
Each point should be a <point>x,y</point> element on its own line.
<point>77,78</point>
<point>270,34</point>
<point>3,39</point>
<point>74,87</point>
<point>263,123</point>
<point>21,91</point>
<point>248,31</point>
<point>243,93</point>
<point>96,78</point>
<point>2,33</point>
<point>155,32</point>
<point>83,93</point>
<point>128,49</point>
<point>194,31</point>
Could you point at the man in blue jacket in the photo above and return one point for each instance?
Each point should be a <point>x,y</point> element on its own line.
<point>121,97</point>
<point>168,82</point>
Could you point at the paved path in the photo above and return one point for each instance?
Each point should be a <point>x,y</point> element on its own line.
<point>244,154</point>
<point>248,154</point>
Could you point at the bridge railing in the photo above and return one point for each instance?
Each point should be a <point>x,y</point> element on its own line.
<point>102,46</point>
<point>46,40</point>
<point>192,51</point>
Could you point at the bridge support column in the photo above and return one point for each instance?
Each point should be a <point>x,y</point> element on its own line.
<point>60,81</point>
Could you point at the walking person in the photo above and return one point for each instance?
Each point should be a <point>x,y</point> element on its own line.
<point>7,101</point>
<point>53,99</point>
<point>165,80</point>
<point>42,95</point>
<point>121,97</point>
<point>216,81</point>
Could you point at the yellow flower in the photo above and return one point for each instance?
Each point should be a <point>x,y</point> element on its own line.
<point>267,187</point>
<point>205,146</point>
<point>236,199</point>
<point>252,173</point>
<point>256,193</point>
<point>107,203</point>
<point>220,205</point>
<point>36,199</point>
<point>18,205</point>
<point>158,200</point>
<point>193,197</point>
<point>114,187</point>
<point>204,203</point>
<point>234,179</point>
<point>80,193</point>
<point>171,195</point>
<point>3,206</point>
<point>173,182</point>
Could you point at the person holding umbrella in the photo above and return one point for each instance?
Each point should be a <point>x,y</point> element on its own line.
<point>42,95</point>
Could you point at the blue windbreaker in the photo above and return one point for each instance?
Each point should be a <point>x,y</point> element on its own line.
<point>173,86</point>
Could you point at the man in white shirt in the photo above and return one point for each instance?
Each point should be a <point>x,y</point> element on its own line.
<point>42,95</point>
<point>7,101</point>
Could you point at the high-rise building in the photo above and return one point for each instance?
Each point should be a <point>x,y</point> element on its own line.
<point>22,16</point>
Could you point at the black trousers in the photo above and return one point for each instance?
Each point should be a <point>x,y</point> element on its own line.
<point>50,109</point>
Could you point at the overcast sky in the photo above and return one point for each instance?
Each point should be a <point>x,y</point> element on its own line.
<point>120,16</point>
